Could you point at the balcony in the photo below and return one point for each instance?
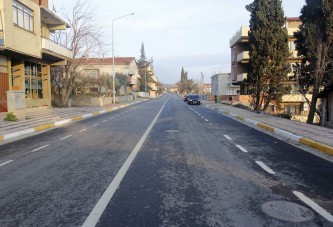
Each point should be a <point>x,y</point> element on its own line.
<point>52,20</point>
<point>243,57</point>
<point>240,78</point>
<point>242,33</point>
<point>153,86</point>
<point>55,50</point>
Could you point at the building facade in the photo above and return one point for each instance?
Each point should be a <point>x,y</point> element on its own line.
<point>222,87</point>
<point>27,52</point>
<point>95,67</point>
<point>293,103</point>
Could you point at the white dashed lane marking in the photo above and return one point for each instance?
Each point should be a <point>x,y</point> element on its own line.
<point>265,167</point>
<point>5,163</point>
<point>65,137</point>
<point>95,125</point>
<point>241,148</point>
<point>105,121</point>
<point>83,130</point>
<point>314,206</point>
<point>228,137</point>
<point>37,149</point>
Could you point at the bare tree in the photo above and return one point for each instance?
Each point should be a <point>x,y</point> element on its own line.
<point>85,39</point>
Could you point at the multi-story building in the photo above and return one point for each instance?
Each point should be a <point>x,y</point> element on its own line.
<point>223,89</point>
<point>293,103</point>
<point>27,53</point>
<point>94,67</point>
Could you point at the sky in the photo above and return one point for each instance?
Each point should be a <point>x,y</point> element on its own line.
<point>193,34</point>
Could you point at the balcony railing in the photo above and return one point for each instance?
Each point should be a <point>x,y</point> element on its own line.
<point>242,32</point>
<point>56,49</point>
<point>240,77</point>
<point>243,57</point>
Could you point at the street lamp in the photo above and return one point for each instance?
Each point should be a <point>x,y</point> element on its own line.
<point>113,73</point>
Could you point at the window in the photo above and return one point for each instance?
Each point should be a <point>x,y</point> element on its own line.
<point>292,46</point>
<point>33,80</point>
<point>22,16</point>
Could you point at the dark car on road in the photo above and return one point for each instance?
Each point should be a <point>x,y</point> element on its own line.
<point>193,99</point>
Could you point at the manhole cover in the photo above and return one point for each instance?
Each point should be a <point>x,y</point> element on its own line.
<point>171,131</point>
<point>287,211</point>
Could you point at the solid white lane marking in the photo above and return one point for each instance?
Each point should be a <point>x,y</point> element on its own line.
<point>241,148</point>
<point>265,167</point>
<point>105,121</point>
<point>314,206</point>
<point>99,208</point>
<point>83,130</point>
<point>37,149</point>
<point>5,163</point>
<point>228,137</point>
<point>65,137</point>
<point>94,125</point>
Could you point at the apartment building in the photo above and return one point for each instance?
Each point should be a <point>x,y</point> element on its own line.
<point>223,89</point>
<point>27,52</point>
<point>94,67</point>
<point>292,103</point>
<point>153,83</point>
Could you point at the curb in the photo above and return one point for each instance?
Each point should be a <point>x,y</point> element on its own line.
<point>305,141</point>
<point>43,127</point>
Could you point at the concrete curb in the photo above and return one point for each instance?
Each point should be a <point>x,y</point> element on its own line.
<point>42,127</point>
<point>305,141</point>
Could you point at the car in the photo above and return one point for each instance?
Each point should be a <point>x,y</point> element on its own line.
<point>193,99</point>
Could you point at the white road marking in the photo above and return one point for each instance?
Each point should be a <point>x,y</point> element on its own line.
<point>94,125</point>
<point>99,208</point>
<point>105,121</point>
<point>210,123</point>
<point>265,167</point>
<point>202,117</point>
<point>5,163</point>
<point>206,120</point>
<point>65,137</point>
<point>117,115</point>
<point>314,206</point>
<point>83,130</point>
<point>37,149</point>
<point>111,117</point>
<point>228,137</point>
<point>241,148</point>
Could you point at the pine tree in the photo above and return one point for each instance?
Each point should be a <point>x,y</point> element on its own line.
<point>269,53</point>
<point>143,65</point>
<point>314,43</point>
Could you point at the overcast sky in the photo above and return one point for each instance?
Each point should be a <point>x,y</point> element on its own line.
<point>193,34</point>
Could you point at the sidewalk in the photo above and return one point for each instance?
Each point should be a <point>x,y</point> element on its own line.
<point>42,118</point>
<point>313,136</point>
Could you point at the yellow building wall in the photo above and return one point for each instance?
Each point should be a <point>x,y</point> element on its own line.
<point>19,39</point>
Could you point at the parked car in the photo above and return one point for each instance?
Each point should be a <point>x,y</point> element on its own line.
<point>193,99</point>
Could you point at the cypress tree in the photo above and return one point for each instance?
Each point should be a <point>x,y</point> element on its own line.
<point>314,43</point>
<point>269,53</point>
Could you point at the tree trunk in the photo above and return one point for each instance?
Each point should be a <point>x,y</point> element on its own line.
<point>319,73</point>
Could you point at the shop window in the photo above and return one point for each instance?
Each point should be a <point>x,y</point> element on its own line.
<point>22,16</point>
<point>33,80</point>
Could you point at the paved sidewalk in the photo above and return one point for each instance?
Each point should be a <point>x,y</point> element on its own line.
<point>313,136</point>
<point>42,118</point>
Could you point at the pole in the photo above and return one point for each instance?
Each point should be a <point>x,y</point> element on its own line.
<point>146,81</point>
<point>113,71</point>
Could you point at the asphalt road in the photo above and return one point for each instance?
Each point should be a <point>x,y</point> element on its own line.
<point>193,167</point>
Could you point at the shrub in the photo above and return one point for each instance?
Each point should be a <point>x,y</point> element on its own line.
<point>10,117</point>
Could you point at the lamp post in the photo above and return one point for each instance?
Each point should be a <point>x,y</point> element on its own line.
<point>113,73</point>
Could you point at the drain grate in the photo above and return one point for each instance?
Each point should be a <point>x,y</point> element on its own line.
<point>288,211</point>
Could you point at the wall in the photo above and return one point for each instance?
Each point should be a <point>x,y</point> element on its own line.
<point>17,38</point>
